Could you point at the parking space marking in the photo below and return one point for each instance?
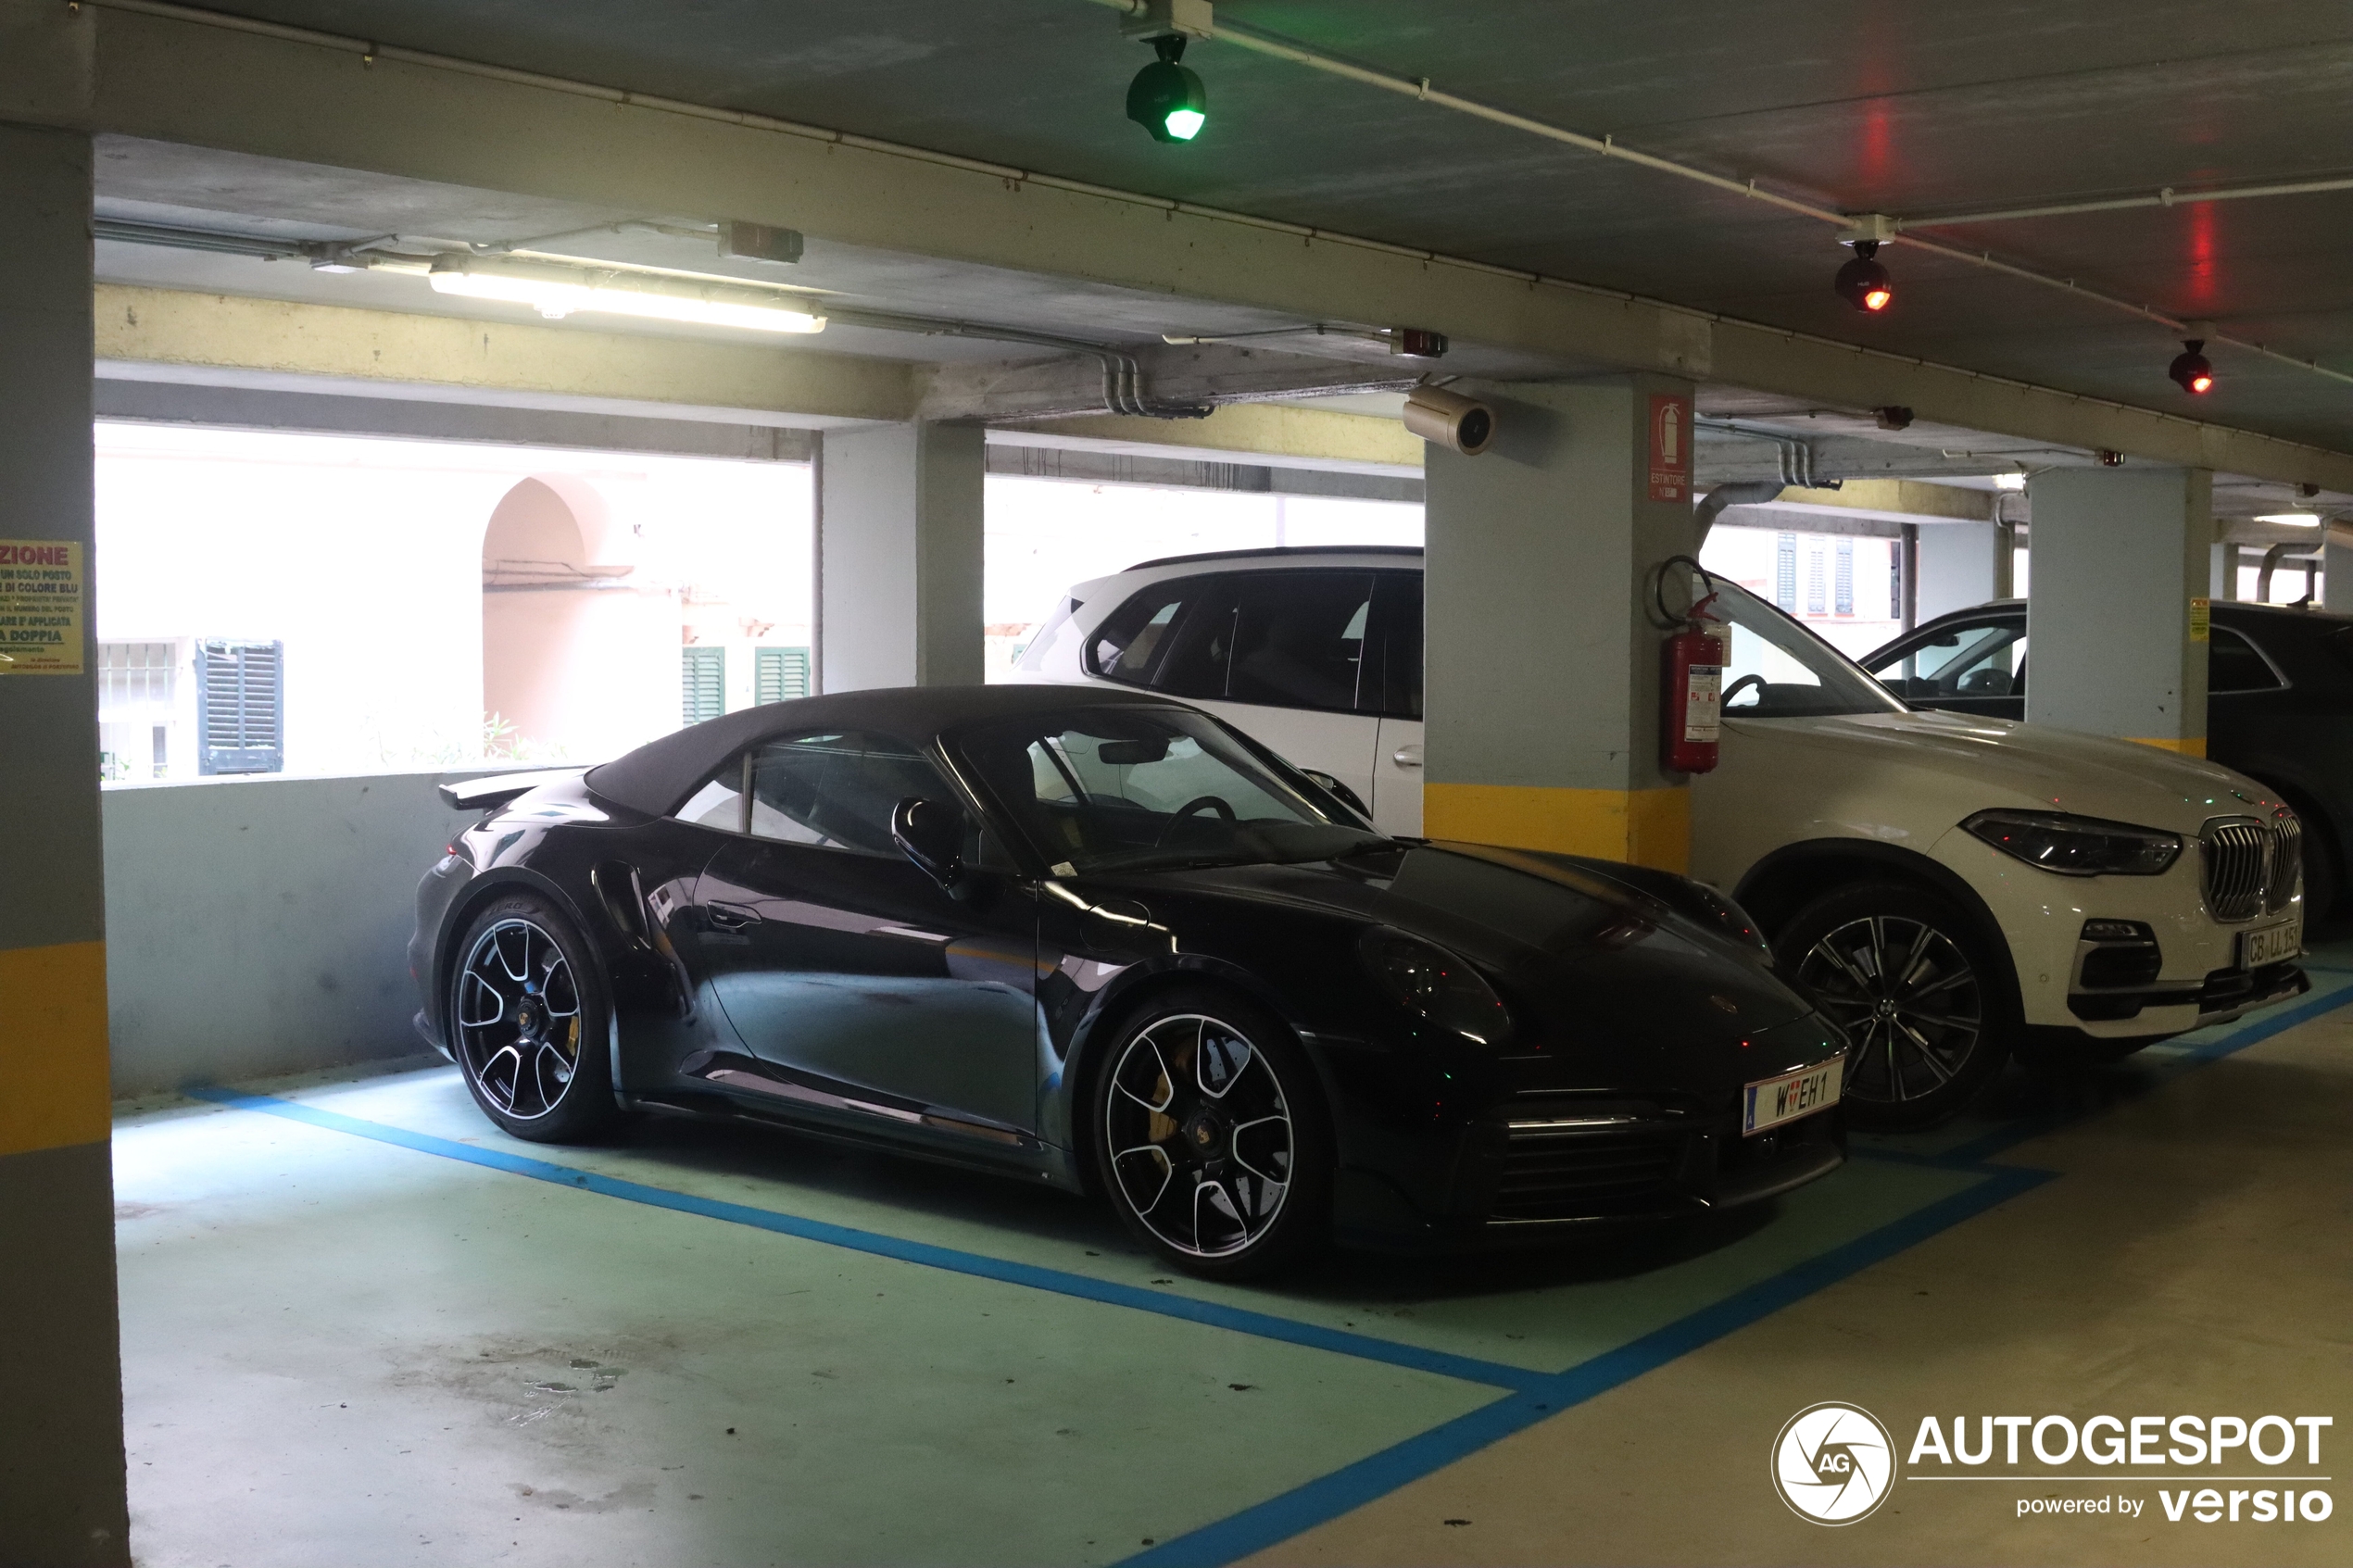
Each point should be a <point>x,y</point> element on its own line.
<point>1531,1397</point>
<point>1352,1487</point>
<point>1349,1488</point>
<point>1239,1320</point>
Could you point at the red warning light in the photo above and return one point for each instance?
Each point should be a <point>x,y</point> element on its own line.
<point>1863,283</point>
<point>2190,370</point>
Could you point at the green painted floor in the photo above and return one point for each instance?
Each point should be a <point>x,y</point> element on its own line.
<point>339,1351</point>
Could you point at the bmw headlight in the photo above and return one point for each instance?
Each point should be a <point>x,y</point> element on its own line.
<point>1438,987</point>
<point>2053,840</point>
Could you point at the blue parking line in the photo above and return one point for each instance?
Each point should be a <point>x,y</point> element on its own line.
<point>1533,1397</point>
<point>1303,1508</point>
<point>1352,1486</point>
<point>1239,1320</point>
<point>2253,1031</point>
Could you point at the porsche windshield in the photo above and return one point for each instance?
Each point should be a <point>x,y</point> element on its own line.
<point>1776,669</point>
<point>1113,788</point>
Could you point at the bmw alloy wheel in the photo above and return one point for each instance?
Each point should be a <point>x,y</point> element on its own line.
<point>1199,1136</point>
<point>1908,998</point>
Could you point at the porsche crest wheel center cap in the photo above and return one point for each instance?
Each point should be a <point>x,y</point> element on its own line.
<point>1205,1134</point>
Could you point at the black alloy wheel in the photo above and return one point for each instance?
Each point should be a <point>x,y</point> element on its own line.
<point>1210,1135</point>
<point>1926,1010</point>
<point>527,1023</point>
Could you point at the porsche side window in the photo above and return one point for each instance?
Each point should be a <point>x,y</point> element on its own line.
<point>720,802</point>
<point>836,789</point>
<point>2233,664</point>
<point>1143,786</point>
<point>1132,637</point>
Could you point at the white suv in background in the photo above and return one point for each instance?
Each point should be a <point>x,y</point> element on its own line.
<point>1951,888</point>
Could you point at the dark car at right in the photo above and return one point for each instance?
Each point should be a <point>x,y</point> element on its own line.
<point>2278,704</point>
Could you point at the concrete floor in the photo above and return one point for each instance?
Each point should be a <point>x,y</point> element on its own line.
<point>361,1328</point>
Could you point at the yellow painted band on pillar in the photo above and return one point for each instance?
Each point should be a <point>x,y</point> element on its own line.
<point>1645,827</point>
<point>53,1046</point>
<point>2188,746</point>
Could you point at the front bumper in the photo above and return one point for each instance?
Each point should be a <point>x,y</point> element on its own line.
<point>1536,1168</point>
<point>2200,981</point>
<point>2224,995</point>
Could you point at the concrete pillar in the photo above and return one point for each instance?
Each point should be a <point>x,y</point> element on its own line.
<point>2336,571</point>
<point>899,557</point>
<point>1961,566</point>
<point>2117,602</point>
<point>1542,667</point>
<point>2223,582</point>
<point>61,1465</point>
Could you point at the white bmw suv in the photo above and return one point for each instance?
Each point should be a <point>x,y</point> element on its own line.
<point>1953,889</point>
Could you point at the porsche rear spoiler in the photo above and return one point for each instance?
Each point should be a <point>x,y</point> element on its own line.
<point>490,793</point>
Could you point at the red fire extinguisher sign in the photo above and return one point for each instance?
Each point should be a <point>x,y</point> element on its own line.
<point>1670,443</point>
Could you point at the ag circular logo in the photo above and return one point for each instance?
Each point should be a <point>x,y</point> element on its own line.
<point>1833,1463</point>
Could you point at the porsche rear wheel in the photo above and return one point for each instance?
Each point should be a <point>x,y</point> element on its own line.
<point>527,1023</point>
<point>1210,1135</point>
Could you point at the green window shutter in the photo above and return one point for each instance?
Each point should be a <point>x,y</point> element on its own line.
<point>779,674</point>
<point>704,683</point>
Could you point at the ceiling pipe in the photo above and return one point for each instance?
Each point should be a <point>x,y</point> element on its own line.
<point>1420,89</point>
<point>1123,376</point>
<point>1743,493</point>
<point>2272,559</point>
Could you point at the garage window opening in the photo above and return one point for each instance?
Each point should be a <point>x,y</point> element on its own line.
<point>289,603</point>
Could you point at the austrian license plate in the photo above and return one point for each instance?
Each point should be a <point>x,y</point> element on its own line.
<point>2270,943</point>
<point>1768,1105</point>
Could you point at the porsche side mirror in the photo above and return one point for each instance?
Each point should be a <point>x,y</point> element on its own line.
<point>931,835</point>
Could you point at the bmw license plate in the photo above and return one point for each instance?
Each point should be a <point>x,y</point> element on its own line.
<point>1768,1105</point>
<point>2270,943</point>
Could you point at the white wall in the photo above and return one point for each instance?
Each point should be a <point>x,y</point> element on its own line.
<point>259,926</point>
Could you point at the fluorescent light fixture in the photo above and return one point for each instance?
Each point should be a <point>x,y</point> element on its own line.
<point>556,291</point>
<point>2010,482</point>
<point>2291,520</point>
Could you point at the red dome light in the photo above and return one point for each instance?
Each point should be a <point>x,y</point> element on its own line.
<point>1863,283</point>
<point>2190,370</point>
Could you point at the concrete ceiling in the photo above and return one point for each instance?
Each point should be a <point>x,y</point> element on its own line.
<point>1911,110</point>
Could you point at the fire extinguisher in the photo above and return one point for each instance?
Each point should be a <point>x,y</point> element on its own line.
<point>1692,685</point>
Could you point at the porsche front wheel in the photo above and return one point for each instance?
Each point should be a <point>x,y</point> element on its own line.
<point>527,1025</point>
<point>1209,1136</point>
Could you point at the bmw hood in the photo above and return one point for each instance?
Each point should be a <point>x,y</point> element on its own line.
<point>1974,763</point>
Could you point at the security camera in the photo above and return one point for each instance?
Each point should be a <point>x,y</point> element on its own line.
<point>1458,423</point>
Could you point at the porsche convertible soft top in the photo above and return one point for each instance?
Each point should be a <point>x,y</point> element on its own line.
<point>659,776</point>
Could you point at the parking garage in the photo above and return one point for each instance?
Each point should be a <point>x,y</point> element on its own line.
<point>817,518</point>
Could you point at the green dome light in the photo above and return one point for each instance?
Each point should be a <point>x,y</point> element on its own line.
<point>1167,98</point>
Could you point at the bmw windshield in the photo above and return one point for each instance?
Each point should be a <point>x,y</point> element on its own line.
<point>1126,788</point>
<point>1776,669</point>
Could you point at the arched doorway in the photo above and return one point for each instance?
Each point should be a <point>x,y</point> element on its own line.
<point>577,660</point>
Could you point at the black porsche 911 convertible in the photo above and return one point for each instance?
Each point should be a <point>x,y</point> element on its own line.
<point>1107,941</point>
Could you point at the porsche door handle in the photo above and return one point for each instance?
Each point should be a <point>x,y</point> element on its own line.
<point>1407,756</point>
<point>729,916</point>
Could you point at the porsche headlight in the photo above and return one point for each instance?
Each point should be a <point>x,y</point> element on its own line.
<point>2053,840</point>
<point>1438,987</point>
